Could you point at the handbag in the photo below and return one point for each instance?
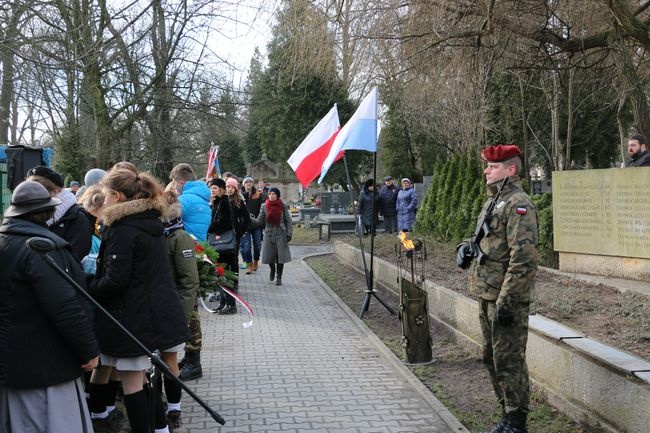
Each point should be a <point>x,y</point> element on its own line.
<point>226,242</point>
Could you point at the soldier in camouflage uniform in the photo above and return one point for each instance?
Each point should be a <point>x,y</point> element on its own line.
<point>504,284</point>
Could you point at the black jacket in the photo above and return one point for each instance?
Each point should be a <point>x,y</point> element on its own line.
<point>643,160</point>
<point>134,281</point>
<point>223,219</point>
<point>388,200</point>
<point>75,227</point>
<point>45,335</point>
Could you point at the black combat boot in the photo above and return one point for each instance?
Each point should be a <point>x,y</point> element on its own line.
<point>192,368</point>
<point>515,423</point>
<point>497,428</point>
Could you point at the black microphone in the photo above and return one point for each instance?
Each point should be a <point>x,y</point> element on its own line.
<point>42,245</point>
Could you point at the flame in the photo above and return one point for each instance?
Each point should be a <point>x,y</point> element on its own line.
<point>406,242</point>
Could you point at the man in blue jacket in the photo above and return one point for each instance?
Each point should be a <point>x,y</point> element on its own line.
<point>194,196</point>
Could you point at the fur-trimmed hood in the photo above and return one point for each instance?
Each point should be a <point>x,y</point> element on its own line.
<point>172,211</point>
<point>119,211</point>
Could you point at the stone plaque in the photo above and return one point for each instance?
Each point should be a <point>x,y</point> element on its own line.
<point>602,212</point>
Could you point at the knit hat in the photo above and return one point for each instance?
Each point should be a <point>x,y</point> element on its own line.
<point>368,183</point>
<point>93,176</point>
<point>247,179</point>
<point>74,183</point>
<point>406,179</point>
<point>275,190</point>
<point>29,197</point>
<point>47,173</point>
<point>232,182</point>
<point>500,152</point>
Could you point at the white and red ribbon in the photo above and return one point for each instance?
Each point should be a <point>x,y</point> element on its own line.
<point>238,298</point>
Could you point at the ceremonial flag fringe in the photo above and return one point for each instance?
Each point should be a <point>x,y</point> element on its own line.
<point>360,133</point>
<point>308,158</point>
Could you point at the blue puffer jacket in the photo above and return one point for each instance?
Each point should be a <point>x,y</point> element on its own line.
<point>407,202</point>
<point>195,208</point>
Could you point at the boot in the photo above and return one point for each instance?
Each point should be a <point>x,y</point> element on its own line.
<point>192,368</point>
<point>272,276</point>
<point>249,267</point>
<point>278,280</point>
<point>228,309</point>
<point>497,428</point>
<point>174,421</point>
<point>515,422</point>
<point>255,263</point>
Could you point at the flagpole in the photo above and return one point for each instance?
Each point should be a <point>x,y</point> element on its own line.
<point>370,291</point>
<point>356,217</point>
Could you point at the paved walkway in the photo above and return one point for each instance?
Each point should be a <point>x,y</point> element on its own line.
<point>306,365</point>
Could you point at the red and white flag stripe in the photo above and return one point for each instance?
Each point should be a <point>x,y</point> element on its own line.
<point>307,160</point>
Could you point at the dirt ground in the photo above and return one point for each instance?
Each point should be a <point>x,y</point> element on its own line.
<point>456,377</point>
<point>621,320</point>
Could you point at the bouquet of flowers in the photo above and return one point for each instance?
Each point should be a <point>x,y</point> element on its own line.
<point>212,274</point>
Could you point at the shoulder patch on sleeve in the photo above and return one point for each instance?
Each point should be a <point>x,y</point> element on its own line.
<point>188,254</point>
<point>522,210</point>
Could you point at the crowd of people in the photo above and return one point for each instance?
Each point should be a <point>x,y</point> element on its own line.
<point>110,236</point>
<point>398,207</point>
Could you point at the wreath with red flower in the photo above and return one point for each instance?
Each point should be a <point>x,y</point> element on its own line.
<point>212,274</point>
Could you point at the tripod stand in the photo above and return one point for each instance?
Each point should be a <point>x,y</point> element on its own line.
<point>43,246</point>
<point>370,290</point>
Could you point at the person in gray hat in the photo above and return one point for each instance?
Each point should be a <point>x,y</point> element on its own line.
<point>46,337</point>
<point>92,177</point>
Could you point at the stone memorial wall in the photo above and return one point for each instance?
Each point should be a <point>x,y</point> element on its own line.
<point>604,214</point>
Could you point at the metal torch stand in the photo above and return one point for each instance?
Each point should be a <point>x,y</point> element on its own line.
<point>413,308</point>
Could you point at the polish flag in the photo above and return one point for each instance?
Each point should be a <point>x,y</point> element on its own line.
<point>360,133</point>
<point>308,158</point>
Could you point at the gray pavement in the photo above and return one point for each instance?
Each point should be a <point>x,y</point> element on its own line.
<point>306,365</point>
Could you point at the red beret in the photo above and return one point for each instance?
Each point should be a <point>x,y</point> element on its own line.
<point>500,152</point>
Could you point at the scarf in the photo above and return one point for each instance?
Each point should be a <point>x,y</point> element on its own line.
<point>274,211</point>
<point>172,225</point>
<point>68,200</point>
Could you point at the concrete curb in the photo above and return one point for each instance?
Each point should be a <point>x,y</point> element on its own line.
<point>395,362</point>
<point>595,384</point>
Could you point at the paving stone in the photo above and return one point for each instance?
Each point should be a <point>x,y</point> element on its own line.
<point>305,366</point>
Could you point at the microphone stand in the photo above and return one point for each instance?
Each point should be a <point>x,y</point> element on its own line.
<point>43,246</point>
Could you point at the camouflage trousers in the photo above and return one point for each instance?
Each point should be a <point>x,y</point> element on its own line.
<point>195,343</point>
<point>504,355</point>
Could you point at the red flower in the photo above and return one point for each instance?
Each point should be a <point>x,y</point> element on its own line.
<point>198,248</point>
<point>220,271</point>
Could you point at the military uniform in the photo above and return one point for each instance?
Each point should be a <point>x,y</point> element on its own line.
<point>505,282</point>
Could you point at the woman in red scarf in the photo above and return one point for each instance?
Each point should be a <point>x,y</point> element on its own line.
<point>275,218</point>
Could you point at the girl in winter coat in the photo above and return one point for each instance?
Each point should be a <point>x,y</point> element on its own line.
<point>276,220</point>
<point>134,283</point>
<point>229,213</point>
<point>407,204</point>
